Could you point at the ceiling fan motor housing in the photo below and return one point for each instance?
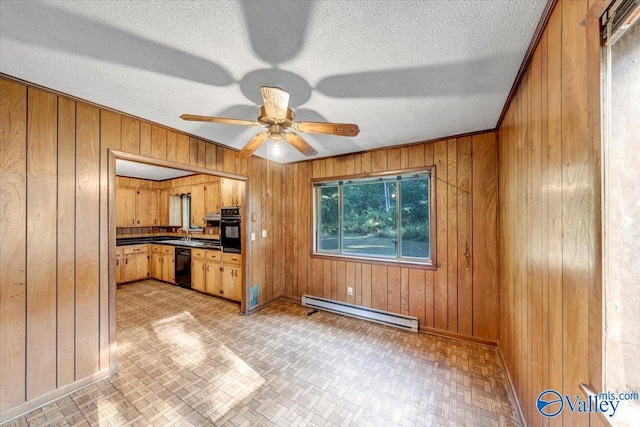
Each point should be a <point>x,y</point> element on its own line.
<point>264,118</point>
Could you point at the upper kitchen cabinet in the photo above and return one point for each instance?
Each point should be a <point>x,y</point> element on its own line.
<point>231,192</point>
<point>147,207</point>
<point>125,207</point>
<point>136,207</point>
<point>197,205</point>
<point>212,197</point>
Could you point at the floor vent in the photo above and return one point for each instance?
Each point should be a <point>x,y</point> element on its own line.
<point>409,323</point>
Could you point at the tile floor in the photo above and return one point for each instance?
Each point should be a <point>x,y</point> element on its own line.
<point>187,359</point>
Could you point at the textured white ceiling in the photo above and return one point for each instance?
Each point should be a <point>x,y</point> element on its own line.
<point>404,71</point>
<point>145,171</point>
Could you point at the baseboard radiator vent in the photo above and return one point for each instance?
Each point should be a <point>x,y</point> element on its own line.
<point>408,323</point>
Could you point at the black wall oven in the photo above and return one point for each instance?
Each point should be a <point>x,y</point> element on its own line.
<point>231,230</point>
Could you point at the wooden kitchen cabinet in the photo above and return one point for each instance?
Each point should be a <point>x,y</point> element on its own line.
<point>212,197</point>
<point>125,207</point>
<point>118,265</point>
<point>231,192</point>
<point>163,207</point>
<point>134,263</point>
<point>136,207</point>
<point>162,263</point>
<point>232,276</point>
<point>213,273</point>
<point>197,205</point>
<point>198,268</point>
<point>147,207</point>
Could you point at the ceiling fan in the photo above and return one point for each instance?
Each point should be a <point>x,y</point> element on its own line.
<point>278,118</point>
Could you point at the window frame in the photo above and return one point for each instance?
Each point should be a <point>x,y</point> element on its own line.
<point>426,263</point>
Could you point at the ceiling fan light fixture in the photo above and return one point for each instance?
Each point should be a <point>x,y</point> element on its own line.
<point>275,150</point>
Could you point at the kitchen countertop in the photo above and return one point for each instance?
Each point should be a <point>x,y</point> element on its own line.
<point>171,241</point>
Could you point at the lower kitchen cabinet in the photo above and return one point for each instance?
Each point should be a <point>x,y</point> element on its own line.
<point>162,263</point>
<point>118,265</point>
<point>134,264</point>
<point>232,276</point>
<point>198,276</point>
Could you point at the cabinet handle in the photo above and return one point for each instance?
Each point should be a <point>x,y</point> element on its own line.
<point>117,261</point>
<point>138,222</point>
<point>155,221</point>
<point>126,260</point>
<point>133,221</point>
<point>202,267</point>
<point>207,268</point>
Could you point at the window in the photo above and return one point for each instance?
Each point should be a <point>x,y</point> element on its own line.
<point>385,217</point>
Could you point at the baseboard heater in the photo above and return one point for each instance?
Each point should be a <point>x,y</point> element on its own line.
<point>409,323</point>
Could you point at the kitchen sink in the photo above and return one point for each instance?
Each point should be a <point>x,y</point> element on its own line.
<point>193,243</point>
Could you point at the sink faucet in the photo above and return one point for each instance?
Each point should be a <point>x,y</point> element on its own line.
<point>187,237</point>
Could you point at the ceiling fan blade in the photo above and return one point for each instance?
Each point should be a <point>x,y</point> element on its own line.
<point>276,102</point>
<point>194,118</point>
<point>300,144</point>
<point>252,145</point>
<point>341,129</point>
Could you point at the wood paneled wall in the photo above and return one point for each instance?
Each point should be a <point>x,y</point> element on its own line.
<point>549,224</point>
<point>458,297</point>
<point>55,233</point>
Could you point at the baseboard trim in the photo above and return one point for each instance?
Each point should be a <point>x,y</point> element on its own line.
<point>457,336</point>
<point>261,306</point>
<point>512,390</point>
<point>22,408</point>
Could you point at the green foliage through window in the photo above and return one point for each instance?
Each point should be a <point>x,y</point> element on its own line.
<point>375,217</point>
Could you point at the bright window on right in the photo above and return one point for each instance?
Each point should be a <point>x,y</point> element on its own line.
<point>380,217</point>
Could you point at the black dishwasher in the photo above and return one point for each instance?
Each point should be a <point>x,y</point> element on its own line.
<point>183,267</point>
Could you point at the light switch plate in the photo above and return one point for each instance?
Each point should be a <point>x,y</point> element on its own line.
<point>253,237</point>
<point>264,233</point>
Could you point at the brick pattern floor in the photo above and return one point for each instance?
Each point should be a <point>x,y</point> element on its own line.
<point>186,359</point>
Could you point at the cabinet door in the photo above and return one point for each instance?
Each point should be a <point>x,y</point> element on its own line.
<point>168,268</point>
<point>226,192</point>
<point>231,282</point>
<point>163,207</point>
<point>147,207</point>
<point>214,278</point>
<point>212,197</point>
<point>125,207</point>
<point>155,265</point>
<point>141,262</point>
<point>197,205</point>
<point>118,268</point>
<point>129,268</point>
<point>198,278</point>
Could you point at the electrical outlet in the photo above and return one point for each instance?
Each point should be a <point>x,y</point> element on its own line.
<point>264,233</point>
<point>349,290</point>
<point>253,237</point>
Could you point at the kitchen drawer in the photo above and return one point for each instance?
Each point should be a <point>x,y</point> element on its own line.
<point>214,255</point>
<point>232,259</point>
<point>155,248</point>
<point>167,250</point>
<point>135,249</point>
<point>198,253</point>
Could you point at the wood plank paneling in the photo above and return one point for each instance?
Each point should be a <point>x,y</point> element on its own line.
<point>130,135</point>
<point>13,193</point>
<point>158,142</point>
<point>393,290</point>
<point>110,139</point>
<point>549,222</point>
<point>183,149</point>
<point>465,239</point>
<point>202,154</point>
<point>193,151</point>
<point>484,250</point>
<point>379,285</point>
<point>172,144</point>
<point>66,240</point>
<point>41,242</point>
<point>87,248</point>
<point>442,235</point>
<point>145,138</point>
